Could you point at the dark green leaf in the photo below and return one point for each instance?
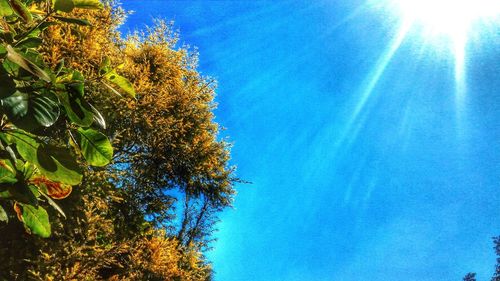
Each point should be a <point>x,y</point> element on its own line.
<point>30,42</point>
<point>77,84</point>
<point>44,25</point>
<point>95,147</point>
<point>83,22</point>
<point>77,109</point>
<point>36,220</point>
<point>31,111</point>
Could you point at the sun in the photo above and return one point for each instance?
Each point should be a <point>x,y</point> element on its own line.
<point>455,20</point>
<point>452,18</point>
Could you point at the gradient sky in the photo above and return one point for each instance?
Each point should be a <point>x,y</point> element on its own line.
<point>364,163</point>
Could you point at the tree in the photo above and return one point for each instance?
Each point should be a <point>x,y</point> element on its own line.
<point>496,275</point>
<point>126,220</point>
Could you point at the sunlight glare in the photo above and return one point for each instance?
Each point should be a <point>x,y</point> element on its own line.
<point>453,20</point>
<point>447,17</point>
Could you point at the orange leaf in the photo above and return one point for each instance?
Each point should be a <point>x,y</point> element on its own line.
<point>19,212</point>
<point>54,189</point>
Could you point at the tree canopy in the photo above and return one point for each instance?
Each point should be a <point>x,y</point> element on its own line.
<point>117,135</point>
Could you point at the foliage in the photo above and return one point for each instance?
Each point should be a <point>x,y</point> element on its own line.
<point>150,214</point>
<point>496,275</point>
<point>165,140</point>
<point>470,277</point>
<point>90,250</point>
<point>36,100</point>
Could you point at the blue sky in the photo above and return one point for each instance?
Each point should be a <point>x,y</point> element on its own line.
<point>364,162</point>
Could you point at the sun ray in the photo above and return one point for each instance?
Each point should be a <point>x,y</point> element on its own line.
<point>354,124</point>
<point>460,86</point>
<point>379,70</point>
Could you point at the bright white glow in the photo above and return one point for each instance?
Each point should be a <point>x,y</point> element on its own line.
<point>450,18</point>
<point>447,17</point>
<point>453,19</point>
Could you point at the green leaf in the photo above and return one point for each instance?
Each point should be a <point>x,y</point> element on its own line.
<point>21,10</point>
<point>36,220</point>
<point>88,4</point>
<point>31,111</point>
<point>64,5</point>
<point>4,193</point>
<point>121,82</point>
<point>83,22</point>
<point>5,9</point>
<point>27,169</point>
<point>13,69</point>
<point>3,215</point>
<point>7,172</point>
<point>23,62</point>
<point>77,109</point>
<point>55,163</point>
<point>77,84</point>
<point>30,42</point>
<point>95,147</point>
